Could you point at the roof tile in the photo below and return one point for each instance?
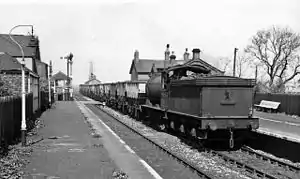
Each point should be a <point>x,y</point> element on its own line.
<point>7,45</point>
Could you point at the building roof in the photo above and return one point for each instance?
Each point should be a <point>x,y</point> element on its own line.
<point>145,65</point>
<point>197,65</point>
<point>27,43</point>
<point>9,63</point>
<point>60,76</point>
<point>92,81</point>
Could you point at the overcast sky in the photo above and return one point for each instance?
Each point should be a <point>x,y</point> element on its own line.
<point>108,32</point>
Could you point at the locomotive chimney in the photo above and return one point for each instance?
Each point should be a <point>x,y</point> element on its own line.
<point>167,53</point>
<point>172,57</point>
<point>136,55</point>
<point>186,55</point>
<point>196,53</point>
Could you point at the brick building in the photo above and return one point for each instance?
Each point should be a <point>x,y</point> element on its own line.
<point>35,68</point>
<point>60,81</point>
<point>11,76</point>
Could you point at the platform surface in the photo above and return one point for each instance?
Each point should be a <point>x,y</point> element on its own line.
<point>279,125</point>
<point>68,150</point>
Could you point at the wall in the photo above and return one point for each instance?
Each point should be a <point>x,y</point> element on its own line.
<point>133,75</point>
<point>143,77</point>
<point>42,69</point>
<point>14,83</point>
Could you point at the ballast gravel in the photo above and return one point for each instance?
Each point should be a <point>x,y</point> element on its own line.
<point>208,163</point>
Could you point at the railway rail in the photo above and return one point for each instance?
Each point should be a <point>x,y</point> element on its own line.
<point>177,157</point>
<point>272,160</point>
<point>251,171</point>
<point>248,168</point>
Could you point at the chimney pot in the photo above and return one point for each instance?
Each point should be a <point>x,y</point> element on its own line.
<point>196,53</point>
<point>136,55</point>
<point>173,57</point>
<point>186,55</point>
<point>167,53</point>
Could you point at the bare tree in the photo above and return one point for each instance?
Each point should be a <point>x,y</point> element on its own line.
<point>226,64</point>
<point>276,49</point>
<point>241,65</point>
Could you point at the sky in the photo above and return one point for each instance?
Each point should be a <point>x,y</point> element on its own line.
<point>107,32</point>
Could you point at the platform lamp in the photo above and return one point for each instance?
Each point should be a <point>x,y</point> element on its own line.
<point>23,123</point>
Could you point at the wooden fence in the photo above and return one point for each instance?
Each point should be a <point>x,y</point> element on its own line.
<point>289,103</point>
<point>11,116</point>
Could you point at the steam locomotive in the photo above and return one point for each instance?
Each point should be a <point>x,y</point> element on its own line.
<point>192,98</point>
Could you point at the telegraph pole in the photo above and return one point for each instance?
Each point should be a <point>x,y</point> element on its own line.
<point>234,60</point>
<point>255,74</point>
<point>50,75</point>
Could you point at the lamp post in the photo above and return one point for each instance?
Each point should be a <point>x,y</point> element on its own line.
<point>23,124</point>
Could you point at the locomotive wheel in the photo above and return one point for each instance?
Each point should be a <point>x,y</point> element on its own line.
<point>193,132</point>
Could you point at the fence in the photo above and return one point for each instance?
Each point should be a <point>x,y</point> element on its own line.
<point>45,100</point>
<point>11,115</point>
<point>289,103</point>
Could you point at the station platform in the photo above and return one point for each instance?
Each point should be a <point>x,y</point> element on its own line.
<point>69,150</point>
<point>279,125</point>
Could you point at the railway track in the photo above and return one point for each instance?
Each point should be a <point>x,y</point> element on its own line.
<point>202,174</point>
<point>232,158</point>
<point>228,157</point>
<point>170,153</point>
<point>259,168</point>
<point>272,160</point>
<point>252,171</point>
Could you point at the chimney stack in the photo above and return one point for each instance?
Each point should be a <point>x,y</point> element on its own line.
<point>186,55</point>
<point>136,55</point>
<point>196,53</point>
<point>172,57</point>
<point>167,53</point>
